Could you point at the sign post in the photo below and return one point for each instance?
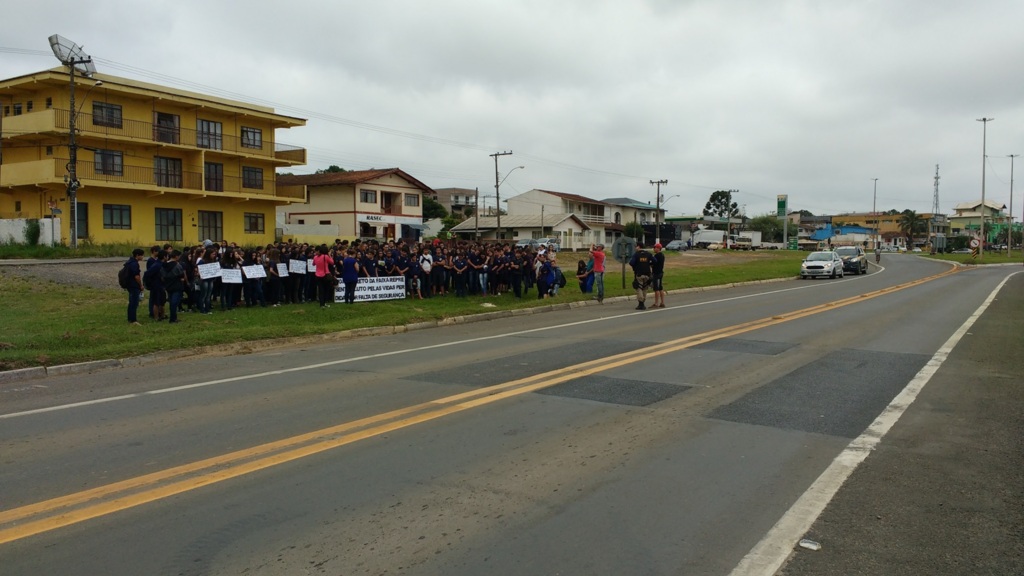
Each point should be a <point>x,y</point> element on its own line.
<point>783,211</point>
<point>622,250</point>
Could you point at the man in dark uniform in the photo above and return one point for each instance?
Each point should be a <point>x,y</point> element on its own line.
<point>641,265</point>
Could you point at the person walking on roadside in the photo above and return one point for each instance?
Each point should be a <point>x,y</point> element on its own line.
<point>641,265</point>
<point>597,253</point>
<point>657,275</point>
<point>173,277</point>
<point>134,285</point>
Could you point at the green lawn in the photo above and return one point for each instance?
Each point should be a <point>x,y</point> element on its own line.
<point>46,324</point>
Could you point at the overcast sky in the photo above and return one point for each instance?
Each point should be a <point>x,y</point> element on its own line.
<point>598,98</point>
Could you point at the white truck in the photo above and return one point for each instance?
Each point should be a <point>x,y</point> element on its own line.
<point>750,240</point>
<point>707,237</point>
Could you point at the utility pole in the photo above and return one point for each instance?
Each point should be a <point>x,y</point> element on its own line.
<point>935,212</point>
<point>984,156</point>
<point>1009,230</point>
<point>657,215</point>
<point>476,214</point>
<point>497,185</point>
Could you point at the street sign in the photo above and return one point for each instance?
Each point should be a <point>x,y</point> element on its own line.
<point>975,243</point>
<point>623,248</point>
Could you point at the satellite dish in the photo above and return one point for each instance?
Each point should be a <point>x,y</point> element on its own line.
<point>71,54</point>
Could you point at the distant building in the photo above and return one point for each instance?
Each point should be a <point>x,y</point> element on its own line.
<point>384,204</point>
<point>456,200</point>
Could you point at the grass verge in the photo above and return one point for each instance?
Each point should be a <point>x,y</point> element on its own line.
<point>47,324</point>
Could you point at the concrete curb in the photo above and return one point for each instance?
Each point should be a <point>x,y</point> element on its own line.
<point>36,373</point>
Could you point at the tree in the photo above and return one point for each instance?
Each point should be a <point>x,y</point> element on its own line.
<point>433,209</point>
<point>770,227</point>
<point>634,230</point>
<point>331,169</point>
<point>721,205</point>
<point>910,223</point>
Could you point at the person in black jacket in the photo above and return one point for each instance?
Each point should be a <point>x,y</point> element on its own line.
<point>173,277</point>
<point>641,265</point>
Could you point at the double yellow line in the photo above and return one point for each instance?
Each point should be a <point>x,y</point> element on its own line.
<point>33,519</point>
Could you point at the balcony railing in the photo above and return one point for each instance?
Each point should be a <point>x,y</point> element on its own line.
<point>149,132</point>
<point>189,181</point>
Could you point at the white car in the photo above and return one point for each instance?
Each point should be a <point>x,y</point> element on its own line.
<point>817,264</point>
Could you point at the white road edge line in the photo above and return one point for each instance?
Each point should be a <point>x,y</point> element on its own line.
<point>772,551</point>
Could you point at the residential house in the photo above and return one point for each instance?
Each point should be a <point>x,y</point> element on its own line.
<point>605,219</point>
<point>153,164</point>
<point>385,204</point>
<point>456,200</point>
<point>564,227</point>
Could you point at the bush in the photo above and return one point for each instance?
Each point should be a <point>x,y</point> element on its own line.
<point>32,232</point>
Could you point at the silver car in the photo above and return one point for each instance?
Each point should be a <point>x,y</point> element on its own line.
<point>821,264</point>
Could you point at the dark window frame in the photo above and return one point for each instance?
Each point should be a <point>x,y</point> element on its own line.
<point>255,223</point>
<point>209,134</point>
<point>117,216</point>
<point>415,198</point>
<point>210,224</point>
<point>108,162</point>
<point>168,224</point>
<point>106,114</point>
<point>367,196</point>
<point>167,172</point>
<point>213,176</point>
<point>252,137</point>
<point>252,177</point>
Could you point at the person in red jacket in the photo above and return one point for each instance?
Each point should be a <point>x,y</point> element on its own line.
<point>597,253</point>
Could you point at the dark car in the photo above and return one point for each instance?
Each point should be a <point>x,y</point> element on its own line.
<point>854,259</point>
<point>676,245</point>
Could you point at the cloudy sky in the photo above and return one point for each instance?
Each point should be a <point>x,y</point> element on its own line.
<point>812,99</point>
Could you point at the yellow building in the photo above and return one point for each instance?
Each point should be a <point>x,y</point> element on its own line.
<point>888,225</point>
<point>155,164</point>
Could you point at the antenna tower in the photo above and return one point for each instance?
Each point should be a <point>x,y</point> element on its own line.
<point>935,201</point>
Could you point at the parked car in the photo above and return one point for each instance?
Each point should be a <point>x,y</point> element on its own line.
<point>821,264</point>
<point>676,245</point>
<point>527,243</point>
<point>854,259</point>
<point>963,251</point>
<point>551,243</point>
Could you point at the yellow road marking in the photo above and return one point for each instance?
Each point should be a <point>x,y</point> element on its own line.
<point>78,507</point>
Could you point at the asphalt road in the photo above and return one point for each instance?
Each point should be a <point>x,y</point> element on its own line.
<point>596,440</point>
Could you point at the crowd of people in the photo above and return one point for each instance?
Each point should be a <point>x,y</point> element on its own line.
<point>176,282</point>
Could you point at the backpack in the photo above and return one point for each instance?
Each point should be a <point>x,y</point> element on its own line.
<point>560,278</point>
<point>124,277</point>
<point>147,277</point>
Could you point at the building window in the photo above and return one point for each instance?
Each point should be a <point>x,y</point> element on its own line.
<point>412,199</point>
<point>252,177</point>
<point>254,223</point>
<point>210,134</point>
<point>368,196</point>
<point>49,103</point>
<point>28,106</point>
<point>166,127</point>
<point>109,162</point>
<point>301,221</point>
<point>211,225</point>
<point>252,137</point>
<point>167,172</point>
<point>117,216</point>
<point>213,176</point>
<point>104,114</point>
<point>17,108</point>
<point>49,150</point>
<point>325,222</point>
<point>168,224</point>
<point>17,205</point>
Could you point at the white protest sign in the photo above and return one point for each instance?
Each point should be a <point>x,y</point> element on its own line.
<point>282,269</point>
<point>231,275</point>
<point>377,288</point>
<point>254,271</point>
<point>209,271</point>
<point>297,266</point>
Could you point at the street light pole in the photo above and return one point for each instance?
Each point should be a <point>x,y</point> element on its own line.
<point>497,186</point>
<point>984,141</point>
<point>874,209</point>
<point>657,214</point>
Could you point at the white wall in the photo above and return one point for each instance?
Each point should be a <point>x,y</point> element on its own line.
<point>12,231</point>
